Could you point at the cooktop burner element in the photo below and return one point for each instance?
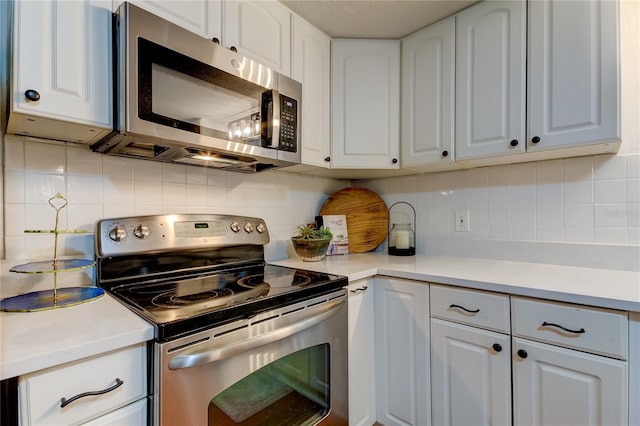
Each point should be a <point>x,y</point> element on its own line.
<point>186,273</point>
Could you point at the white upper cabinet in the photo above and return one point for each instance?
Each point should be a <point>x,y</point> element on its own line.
<point>198,16</point>
<point>61,79</point>
<point>311,65</point>
<point>259,30</point>
<point>573,94</point>
<point>428,95</point>
<point>490,98</point>
<point>365,104</point>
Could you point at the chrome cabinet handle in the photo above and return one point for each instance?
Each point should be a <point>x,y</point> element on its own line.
<point>474,311</point>
<point>64,401</point>
<point>226,351</point>
<point>550,324</point>
<point>363,288</point>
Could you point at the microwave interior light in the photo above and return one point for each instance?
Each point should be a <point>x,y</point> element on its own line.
<point>205,157</point>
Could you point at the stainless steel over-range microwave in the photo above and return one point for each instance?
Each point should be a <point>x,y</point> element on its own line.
<point>185,99</point>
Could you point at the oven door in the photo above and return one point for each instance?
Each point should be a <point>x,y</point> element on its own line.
<point>285,366</point>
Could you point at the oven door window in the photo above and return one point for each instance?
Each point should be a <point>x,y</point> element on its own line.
<point>180,92</point>
<point>293,390</point>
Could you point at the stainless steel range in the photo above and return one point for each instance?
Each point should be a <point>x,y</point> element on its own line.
<point>237,341</point>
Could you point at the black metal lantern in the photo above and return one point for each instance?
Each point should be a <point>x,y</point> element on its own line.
<point>402,235</point>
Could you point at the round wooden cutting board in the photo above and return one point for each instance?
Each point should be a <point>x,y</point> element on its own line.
<point>367,217</point>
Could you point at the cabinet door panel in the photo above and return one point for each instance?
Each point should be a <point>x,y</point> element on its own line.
<point>402,352</point>
<point>471,380</point>
<point>311,65</point>
<point>260,30</point>
<point>365,101</point>
<point>201,17</point>
<point>557,386</point>
<point>362,391</point>
<point>428,89</point>
<point>63,51</point>
<point>573,73</point>
<point>490,61</point>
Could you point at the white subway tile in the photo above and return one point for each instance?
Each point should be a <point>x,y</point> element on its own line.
<point>40,187</point>
<point>14,219</point>
<point>117,168</point>
<point>578,169</point>
<point>13,154</point>
<point>579,235</point>
<point>197,196</point>
<point>174,194</point>
<point>44,157</point>
<point>83,217</point>
<point>197,175</point>
<point>578,216</point>
<point>147,171</point>
<point>610,235</point>
<point>610,191</point>
<point>633,236</point>
<point>633,215</point>
<point>142,210</point>
<point>578,192</point>
<point>14,187</point>
<point>84,189</point>
<point>633,165</point>
<point>117,210</point>
<point>610,215</point>
<point>550,234</point>
<point>147,193</point>
<point>550,172</point>
<point>609,167</point>
<point>82,161</point>
<point>174,173</point>
<point>117,191</point>
<point>633,190</point>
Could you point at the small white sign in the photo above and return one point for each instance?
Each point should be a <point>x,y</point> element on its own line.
<point>337,224</point>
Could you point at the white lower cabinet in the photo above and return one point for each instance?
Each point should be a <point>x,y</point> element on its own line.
<point>402,352</point>
<point>362,391</point>
<point>558,386</point>
<point>97,389</point>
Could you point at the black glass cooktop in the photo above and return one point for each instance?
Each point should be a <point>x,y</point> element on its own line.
<point>183,306</point>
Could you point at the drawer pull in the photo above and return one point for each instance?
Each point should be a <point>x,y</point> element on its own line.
<point>550,324</point>
<point>475,311</point>
<point>64,401</point>
<point>363,288</point>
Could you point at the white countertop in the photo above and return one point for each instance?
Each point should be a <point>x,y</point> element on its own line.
<point>32,341</point>
<point>589,286</point>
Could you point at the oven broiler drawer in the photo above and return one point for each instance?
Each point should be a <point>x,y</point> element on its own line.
<point>84,390</point>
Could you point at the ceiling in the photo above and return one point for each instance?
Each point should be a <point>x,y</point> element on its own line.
<point>389,19</point>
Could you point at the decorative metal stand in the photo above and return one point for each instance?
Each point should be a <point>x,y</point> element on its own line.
<point>402,236</point>
<point>54,298</point>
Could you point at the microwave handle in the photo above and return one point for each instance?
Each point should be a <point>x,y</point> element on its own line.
<point>273,121</point>
<point>226,351</point>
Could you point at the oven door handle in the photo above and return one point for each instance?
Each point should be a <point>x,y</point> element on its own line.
<point>201,358</point>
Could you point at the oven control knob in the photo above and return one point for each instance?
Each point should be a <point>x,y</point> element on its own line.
<point>261,227</point>
<point>248,227</point>
<point>117,234</point>
<point>141,231</point>
<point>235,227</point>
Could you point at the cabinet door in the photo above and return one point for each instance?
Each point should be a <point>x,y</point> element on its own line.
<point>203,17</point>
<point>428,90</point>
<point>62,51</point>
<point>260,30</point>
<point>365,100</point>
<point>490,64</point>
<point>557,386</point>
<point>311,65</point>
<point>573,76</point>
<point>362,391</point>
<point>402,352</point>
<point>470,375</point>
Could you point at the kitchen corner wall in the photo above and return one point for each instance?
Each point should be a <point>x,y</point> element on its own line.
<point>522,211</point>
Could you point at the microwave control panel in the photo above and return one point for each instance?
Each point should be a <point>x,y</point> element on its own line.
<point>288,124</point>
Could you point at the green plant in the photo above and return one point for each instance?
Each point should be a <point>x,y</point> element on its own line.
<point>305,232</point>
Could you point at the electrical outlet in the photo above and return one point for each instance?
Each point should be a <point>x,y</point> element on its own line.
<point>461,218</point>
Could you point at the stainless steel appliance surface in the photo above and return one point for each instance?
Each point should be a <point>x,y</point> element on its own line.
<point>237,340</point>
<point>183,98</point>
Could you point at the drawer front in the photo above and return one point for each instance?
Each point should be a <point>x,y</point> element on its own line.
<point>473,307</point>
<point>41,392</point>
<point>600,331</point>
